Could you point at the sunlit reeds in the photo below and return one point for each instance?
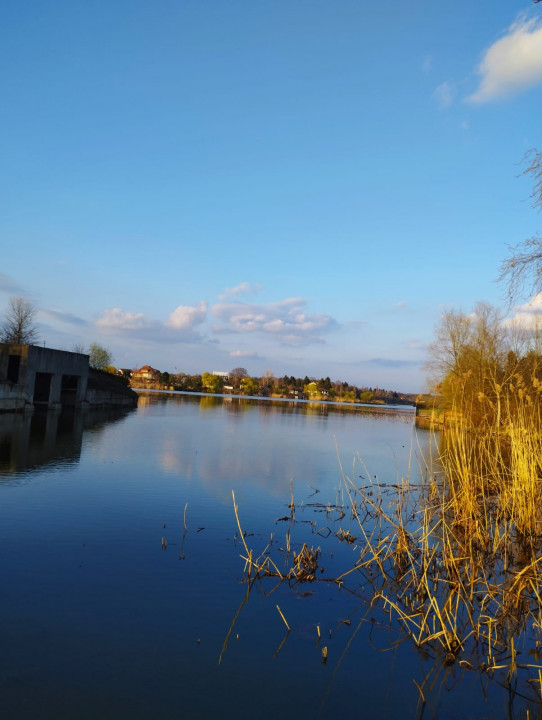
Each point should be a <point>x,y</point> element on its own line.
<point>450,559</point>
<point>453,561</point>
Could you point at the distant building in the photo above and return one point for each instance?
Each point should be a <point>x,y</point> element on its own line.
<point>146,377</point>
<point>222,374</point>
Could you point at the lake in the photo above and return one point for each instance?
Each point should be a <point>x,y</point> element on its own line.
<point>123,591</point>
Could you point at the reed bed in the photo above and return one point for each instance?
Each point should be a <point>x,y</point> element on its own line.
<point>452,562</point>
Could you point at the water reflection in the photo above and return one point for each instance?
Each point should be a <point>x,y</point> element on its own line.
<point>100,621</point>
<point>240,404</point>
<point>44,439</point>
<point>222,442</point>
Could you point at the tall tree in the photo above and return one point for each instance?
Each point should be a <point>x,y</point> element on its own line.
<point>18,326</point>
<point>99,357</point>
<point>249,386</point>
<point>212,383</point>
<point>522,270</point>
<point>238,372</point>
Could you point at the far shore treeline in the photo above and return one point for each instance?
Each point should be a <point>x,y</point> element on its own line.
<point>238,381</point>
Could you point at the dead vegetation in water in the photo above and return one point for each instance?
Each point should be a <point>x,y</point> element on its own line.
<point>453,564</point>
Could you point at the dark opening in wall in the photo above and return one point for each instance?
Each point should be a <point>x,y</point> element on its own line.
<point>70,384</point>
<point>42,387</point>
<point>14,363</point>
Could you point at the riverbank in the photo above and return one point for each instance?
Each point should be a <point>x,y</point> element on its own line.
<point>337,404</point>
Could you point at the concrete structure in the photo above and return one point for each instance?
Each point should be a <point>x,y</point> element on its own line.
<point>33,375</point>
<point>106,390</point>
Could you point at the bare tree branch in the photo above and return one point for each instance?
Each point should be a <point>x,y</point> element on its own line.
<point>522,270</point>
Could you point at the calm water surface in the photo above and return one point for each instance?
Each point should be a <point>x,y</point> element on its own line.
<point>98,620</point>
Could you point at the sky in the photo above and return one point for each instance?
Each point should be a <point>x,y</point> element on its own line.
<point>300,186</point>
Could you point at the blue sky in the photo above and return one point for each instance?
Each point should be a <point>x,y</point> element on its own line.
<point>297,186</point>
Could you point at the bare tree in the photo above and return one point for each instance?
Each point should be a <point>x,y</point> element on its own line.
<point>18,324</point>
<point>522,270</point>
<point>447,351</point>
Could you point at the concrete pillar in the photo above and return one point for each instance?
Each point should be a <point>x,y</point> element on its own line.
<point>55,391</point>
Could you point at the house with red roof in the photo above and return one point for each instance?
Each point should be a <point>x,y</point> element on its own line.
<point>146,377</point>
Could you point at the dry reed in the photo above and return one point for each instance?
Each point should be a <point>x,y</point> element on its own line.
<point>454,563</point>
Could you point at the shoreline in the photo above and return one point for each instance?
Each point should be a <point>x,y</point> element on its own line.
<point>270,398</point>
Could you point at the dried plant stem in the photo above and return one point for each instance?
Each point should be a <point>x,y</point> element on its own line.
<point>284,619</point>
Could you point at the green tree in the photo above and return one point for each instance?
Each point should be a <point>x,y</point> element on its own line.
<point>192,382</point>
<point>212,383</point>
<point>249,386</point>
<point>164,378</point>
<point>18,324</point>
<point>99,357</point>
<point>311,389</point>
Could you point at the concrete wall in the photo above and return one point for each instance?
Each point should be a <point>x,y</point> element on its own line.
<point>102,398</point>
<point>33,375</point>
<point>12,397</point>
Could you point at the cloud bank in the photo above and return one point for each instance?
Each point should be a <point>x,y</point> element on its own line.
<point>63,317</point>
<point>179,327</point>
<point>243,354</point>
<point>244,288</point>
<point>285,320</point>
<point>512,63</point>
<point>186,317</point>
<point>445,94</point>
<point>529,316</point>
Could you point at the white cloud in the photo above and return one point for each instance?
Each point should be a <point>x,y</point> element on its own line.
<point>444,94</point>
<point>512,63</point>
<point>244,288</point>
<point>180,325</point>
<point>117,319</point>
<point>528,316</point>
<point>427,64</point>
<point>186,317</point>
<point>286,320</point>
<point>243,353</point>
